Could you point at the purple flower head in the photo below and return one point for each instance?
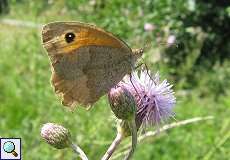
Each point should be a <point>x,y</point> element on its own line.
<point>155,99</point>
<point>171,40</point>
<point>149,27</point>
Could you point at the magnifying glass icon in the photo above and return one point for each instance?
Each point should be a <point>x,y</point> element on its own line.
<point>9,147</point>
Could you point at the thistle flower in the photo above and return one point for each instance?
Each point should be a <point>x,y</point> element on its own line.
<point>122,103</point>
<point>171,40</point>
<point>155,100</point>
<point>149,27</point>
<point>55,135</point>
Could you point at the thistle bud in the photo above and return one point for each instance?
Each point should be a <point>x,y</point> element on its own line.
<point>55,135</point>
<point>122,103</point>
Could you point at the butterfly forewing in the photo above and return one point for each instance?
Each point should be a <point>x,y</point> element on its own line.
<point>86,68</point>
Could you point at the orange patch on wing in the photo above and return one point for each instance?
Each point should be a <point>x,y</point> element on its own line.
<point>91,37</point>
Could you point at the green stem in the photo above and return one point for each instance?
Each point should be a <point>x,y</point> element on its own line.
<point>113,147</point>
<point>133,128</point>
<point>79,151</point>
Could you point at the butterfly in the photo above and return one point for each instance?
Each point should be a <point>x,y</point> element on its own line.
<point>86,61</point>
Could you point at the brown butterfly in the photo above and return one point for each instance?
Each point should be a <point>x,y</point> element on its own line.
<point>86,61</point>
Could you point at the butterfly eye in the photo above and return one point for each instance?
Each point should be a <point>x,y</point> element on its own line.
<point>69,37</point>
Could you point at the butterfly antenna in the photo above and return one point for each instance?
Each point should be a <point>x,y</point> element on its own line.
<point>176,44</point>
<point>138,52</point>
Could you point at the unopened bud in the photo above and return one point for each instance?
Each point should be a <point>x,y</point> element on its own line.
<point>122,103</point>
<point>55,135</point>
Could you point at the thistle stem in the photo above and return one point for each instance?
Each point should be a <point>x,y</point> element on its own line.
<point>113,147</point>
<point>162,129</point>
<point>133,128</point>
<point>79,151</point>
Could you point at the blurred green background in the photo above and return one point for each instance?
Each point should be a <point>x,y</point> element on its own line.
<point>198,66</point>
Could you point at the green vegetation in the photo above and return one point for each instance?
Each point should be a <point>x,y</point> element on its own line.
<point>199,68</point>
